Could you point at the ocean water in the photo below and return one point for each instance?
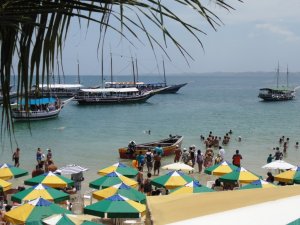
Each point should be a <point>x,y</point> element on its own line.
<point>91,135</point>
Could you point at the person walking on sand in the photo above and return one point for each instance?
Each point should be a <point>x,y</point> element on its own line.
<point>178,154</point>
<point>16,157</point>
<point>236,158</point>
<point>149,160</point>
<point>157,163</point>
<point>199,160</point>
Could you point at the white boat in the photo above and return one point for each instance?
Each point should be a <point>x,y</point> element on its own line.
<point>60,90</point>
<point>112,96</point>
<point>38,109</point>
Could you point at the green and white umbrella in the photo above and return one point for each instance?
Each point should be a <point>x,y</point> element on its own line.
<point>121,168</point>
<point>69,219</point>
<point>8,172</point>
<point>192,187</point>
<point>40,190</point>
<point>259,184</point>
<point>112,179</point>
<point>116,206</point>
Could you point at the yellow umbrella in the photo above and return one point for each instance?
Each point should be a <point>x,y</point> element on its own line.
<point>241,174</point>
<point>4,185</point>
<point>292,175</point>
<point>8,171</point>
<point>120,168</point>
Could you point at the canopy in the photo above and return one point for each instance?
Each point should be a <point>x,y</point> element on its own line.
<point>241,175</point>
<point>116,206</point>
<point>33,212</point>
<point>50,179</point>
<point>38,101</point>
<point>120,168</point>
<point>8,171</point>
<point>220,169</point>
<point>40,190</point>
<point>69,219</point>
<point>192,187</point>
<point>258,184</point>
<point>112,179</point>
<point>289,176</point>
<point>71,169</point>
<point>172,180</point>
<point>178,166</point>
<point>121,189</point>
<point>4,185</point>
<point>278,164</point>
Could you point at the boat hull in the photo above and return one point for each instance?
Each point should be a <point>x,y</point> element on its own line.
<point>38,115</point>
<point>114,100</point>
<point>172,89</point>
<point>168,145</point>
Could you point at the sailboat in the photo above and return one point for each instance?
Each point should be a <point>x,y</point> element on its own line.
<point>278,93</point>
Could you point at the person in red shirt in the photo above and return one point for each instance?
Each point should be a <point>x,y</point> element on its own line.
<point>236,158</point>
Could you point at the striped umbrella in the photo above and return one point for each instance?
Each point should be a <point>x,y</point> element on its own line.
<point>40,190</point>
<point>112,179</point>
<point>50,179</point>
<point>120,168</point>
<point>121,189</point>
<point>240,174</point>
<point>4,185</point>
<point>191,187</point>
<point>220,169</point>
<point>292,175</point>
<point>116,206</point>
<point>8,171</point>
<point>33,212</point>
<point>69,219</point>
<point>71,169</point>
<point>172,180</point>
<point>258,184</point>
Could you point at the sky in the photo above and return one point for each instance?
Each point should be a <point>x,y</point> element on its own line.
<point>253,38</point>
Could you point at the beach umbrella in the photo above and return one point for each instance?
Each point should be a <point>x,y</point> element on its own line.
<point>121,189</point>
<point>69,219</point>
<point>295,222</point>
<point>4,185</point>
<point>71,169</point>
<point>172,180</point>
<point>37,191</point>
<point>121,169</point>
<point>112,179</point>
<point>33,212</point>
<point>191,187</point>
<point>220,169</point>
<point>116,206</point>
<point>8,171</point>
<point>50,179</point>
<point>292,175</point>
<point>259,184</point>
<point>178,166</point>
<point>240,174</point>
<point>278,164</point>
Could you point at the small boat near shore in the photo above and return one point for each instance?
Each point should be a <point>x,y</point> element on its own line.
<point>38,109</point>
<point>112,96</point>
<point>168,145</point>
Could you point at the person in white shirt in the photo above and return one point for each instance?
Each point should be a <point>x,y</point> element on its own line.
<point>222,153</point>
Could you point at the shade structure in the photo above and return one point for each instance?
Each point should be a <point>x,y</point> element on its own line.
<point>191,187</point>
<point>172,180</point>
<point>8,172</point>
<point>116,206</point>
<point>69,219</point>
<point>259,184</point>
<point>121,189</point>
<point>295,222</point>
<point>40,190</point>
<point>33,212</point>
<point>50,179</point>
<point>120,168</point>
<point>112,179</point>
<point>4,185</point>
<point>241,175</point>
<point>71,169</point>
<point>220,169</point>
<point>292,175</point>
<point>278,164</point>
<point>178,166</point>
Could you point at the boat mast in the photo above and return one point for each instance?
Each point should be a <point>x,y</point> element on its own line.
<point>165,80</point>
<point>111,68</point>
<point>78,75</point>
<point>287,76</point>
<point>137,70</point>
<point>277,74</point>
<point>133,71</point>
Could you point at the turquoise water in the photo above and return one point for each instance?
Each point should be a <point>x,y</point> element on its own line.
<point>91,135</point>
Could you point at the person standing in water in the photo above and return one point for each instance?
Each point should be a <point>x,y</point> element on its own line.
<point>16,157</point>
